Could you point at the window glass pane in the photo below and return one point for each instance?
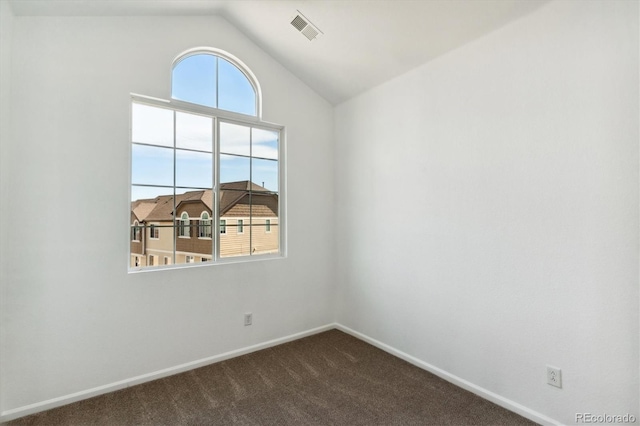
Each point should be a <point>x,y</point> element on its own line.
<point>149,192</point>
<point>162,246</point>
<point>204,228</point>
<point>235,241</point>
<point>194,169</point>
<point>182,258</point>
<point>265,238</point>
<point>265,173</point>
<point>264,219</point>
<point>194,80</point>
<point>265,143</point>
<point>235,92</point>
<point>234,169</point>
<point>151,165</point>
<point>151,125</point>
<point>183,224</point>
<point>194,132</point>
<point>235,139</point>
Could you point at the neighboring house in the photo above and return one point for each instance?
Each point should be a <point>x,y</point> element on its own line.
<point>248,225</point>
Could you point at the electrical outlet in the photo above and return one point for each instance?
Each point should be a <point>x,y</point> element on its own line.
<point>248,318</point>
<point>554,376</point>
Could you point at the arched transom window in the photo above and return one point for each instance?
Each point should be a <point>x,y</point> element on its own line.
<point>215,79</point>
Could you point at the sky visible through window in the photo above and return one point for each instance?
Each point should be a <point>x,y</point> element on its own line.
<point>247,153</point>
<point>214,82</point>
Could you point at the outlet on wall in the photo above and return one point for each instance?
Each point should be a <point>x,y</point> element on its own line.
<point>554,376</point>
<point>248,318</point>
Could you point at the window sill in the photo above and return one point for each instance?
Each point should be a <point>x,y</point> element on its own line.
<point>211,263</point>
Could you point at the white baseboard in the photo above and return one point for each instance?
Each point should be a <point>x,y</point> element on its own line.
<point>483,393</point>
<point>26,410</point>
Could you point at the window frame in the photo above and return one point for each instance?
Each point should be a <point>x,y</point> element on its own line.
<point>219,116</point>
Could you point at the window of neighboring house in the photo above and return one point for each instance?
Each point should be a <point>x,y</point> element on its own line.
<point>267,226</point>
<point>137,261</point>
<point>154,232</point>
<point>184,229</point>
<point>135,231</point>
<point>204,228</point>
<point>207,148</point>
<point>189,259</point>
<point>167,261</point>
<point>204,259</point>
<point>151,260</point>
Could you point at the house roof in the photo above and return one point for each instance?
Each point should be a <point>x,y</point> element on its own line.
<point>160,208</point>
<point>142,208</point>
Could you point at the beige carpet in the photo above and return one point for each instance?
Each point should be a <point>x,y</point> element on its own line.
<point>327,379</point>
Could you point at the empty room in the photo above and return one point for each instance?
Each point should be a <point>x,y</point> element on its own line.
<point>319,212</point>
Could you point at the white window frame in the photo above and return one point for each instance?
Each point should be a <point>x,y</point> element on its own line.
<point>233,118</point>
<point>218,116</point>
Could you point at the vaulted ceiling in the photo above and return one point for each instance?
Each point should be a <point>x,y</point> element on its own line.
<point>364,42</point>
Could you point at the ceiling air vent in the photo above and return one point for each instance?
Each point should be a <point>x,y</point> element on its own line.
<point>305,26</point>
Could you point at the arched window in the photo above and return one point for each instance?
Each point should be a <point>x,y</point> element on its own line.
<point>135,231</point>
<point>204,229</point>
<point>207,148</point>
<point>184,230</point>
<point>215,79</point>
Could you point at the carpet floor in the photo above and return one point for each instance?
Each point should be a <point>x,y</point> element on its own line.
<point>329,378</point>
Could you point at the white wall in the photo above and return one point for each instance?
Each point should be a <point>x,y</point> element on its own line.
<point>6,29</point>
<point>72,318</point>
<point>487,210</point>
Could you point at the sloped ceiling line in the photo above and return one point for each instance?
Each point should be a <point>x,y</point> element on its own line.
<point>364,44</point>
